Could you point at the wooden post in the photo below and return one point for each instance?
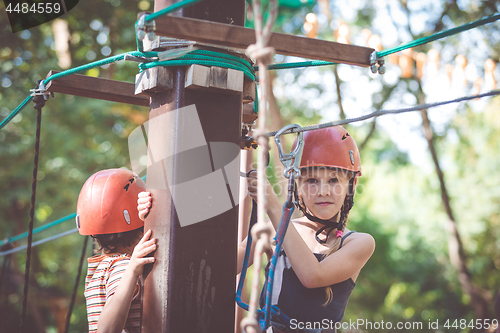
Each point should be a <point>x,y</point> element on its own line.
<point>191,286</point>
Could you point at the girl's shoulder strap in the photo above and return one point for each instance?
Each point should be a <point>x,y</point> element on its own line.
<point>344,237</point>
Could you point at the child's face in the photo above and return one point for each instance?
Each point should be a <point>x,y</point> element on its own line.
<point>323,191</point>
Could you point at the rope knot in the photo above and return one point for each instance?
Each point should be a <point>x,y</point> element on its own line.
<point>259,229</point>
<point>262,139</point>
<point>261,54</point>
<point>250,325</point>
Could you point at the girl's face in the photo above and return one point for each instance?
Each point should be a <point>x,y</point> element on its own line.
<point>323,191</point>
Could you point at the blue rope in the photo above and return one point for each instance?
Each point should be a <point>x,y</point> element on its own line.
<point>280,235</point>
<point>243,274</point>
<point>269,310</point>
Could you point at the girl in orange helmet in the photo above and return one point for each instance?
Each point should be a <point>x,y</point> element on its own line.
<point>321,259</point>
<point>107,211</point>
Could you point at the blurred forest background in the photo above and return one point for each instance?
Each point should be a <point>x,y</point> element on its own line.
<point>430,191</point>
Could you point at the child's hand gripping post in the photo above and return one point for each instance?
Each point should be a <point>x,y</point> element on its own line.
<point>141,250</point>
<point>144,203</point>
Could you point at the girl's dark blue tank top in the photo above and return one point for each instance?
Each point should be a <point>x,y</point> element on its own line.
<point>306,304</point>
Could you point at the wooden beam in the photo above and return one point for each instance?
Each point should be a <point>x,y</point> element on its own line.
<point>95,87</point>
<point>240,37</point>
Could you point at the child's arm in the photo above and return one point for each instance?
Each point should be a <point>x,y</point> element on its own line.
<point>114,315</point>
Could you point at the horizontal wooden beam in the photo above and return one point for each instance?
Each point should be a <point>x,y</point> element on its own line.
<point>95,87</point>
<point>239,37</point>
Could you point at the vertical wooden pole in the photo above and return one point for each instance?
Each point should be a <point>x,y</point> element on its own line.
<point>191,286</point>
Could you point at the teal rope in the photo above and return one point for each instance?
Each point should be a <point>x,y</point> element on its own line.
<point>43,227</point>
<point>91,65</point>
<point>210,58</point>
<point>99,63</point>
<point>170,9</point>
<point>439,35</point>
<point>15,112</point>
<point>207,58</point>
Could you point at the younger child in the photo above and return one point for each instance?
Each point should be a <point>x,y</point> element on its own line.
<point>107,210</point>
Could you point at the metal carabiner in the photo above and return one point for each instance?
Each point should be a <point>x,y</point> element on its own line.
<point>291,161</point>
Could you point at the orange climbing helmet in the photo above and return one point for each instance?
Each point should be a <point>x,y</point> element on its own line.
<point>108,203</point>
<point>331,147</point>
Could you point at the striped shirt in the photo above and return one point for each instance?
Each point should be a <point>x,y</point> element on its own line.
<point>103,276</point>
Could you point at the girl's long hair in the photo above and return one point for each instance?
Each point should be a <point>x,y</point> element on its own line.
<point>344,210</point>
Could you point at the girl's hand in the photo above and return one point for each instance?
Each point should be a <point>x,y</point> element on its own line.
<point>271,197</point>
<point>144,203</point>
<point>141,250</point>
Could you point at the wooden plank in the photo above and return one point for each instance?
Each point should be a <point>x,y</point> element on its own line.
<point>249,116</point>
<point>95,87</point>
<point>235,80</point>
<point>153,80</point>
<point>197,77</point>
<point>248,91</point>
<point>240,37</point>
<point>218,78</point>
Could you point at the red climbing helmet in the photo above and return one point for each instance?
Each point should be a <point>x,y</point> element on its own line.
<point>108,203</point>
<point>330,147</point>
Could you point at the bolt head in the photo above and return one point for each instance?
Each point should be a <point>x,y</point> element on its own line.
<point>141,34</point>
<point>151,36</point>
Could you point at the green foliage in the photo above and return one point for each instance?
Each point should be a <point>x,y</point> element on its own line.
<point>79,136</point>
<point>409,277</point>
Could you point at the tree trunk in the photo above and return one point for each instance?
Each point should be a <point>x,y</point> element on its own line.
<point>455,246</point>
<point>339,95</point>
